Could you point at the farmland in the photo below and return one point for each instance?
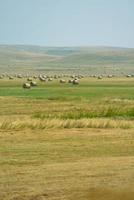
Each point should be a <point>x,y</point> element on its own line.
<point>66,100</point>
<point>64,141</point>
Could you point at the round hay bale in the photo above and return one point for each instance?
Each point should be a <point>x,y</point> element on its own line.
<point>70,81</point>
<point>50,79</point>
<point>62,81</point>
<point>27,85</point>
<point>41,78</point>
<point>110,76</point>
<point>33,83</point>
<point>19,76</point>
<point>29,79</point>
<point>128,76</point>
<point>1,77</point>
<point>11,77</point>
<point>75,81</point>
<point>99,77</point>
<point>35,77</point>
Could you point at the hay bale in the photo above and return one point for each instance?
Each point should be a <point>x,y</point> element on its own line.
<point>27,85</point>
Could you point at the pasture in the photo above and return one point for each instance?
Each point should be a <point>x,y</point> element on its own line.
<point>65,141</point>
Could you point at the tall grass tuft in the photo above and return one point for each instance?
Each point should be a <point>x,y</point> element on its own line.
<point>101,112</point>
<point>66,124</point>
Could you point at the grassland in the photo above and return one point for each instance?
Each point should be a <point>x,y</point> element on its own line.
<point>51,60</point>
<point>68,142</point>
<point>67,164</point>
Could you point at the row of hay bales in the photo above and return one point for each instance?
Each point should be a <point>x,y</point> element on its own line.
<point>6,75</point>
<point>31,80</point>
<point>74,79</point>
<point>111,76</point>
<point>44,78</point>
<point>40,76</point>
<point>28,85</point>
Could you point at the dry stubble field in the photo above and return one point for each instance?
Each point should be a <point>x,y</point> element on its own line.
<point>67,142</point>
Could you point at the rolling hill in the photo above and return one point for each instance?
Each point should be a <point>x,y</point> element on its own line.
<point>52,60</point>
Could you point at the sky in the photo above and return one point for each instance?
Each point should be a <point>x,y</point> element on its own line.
<point>67,22</point>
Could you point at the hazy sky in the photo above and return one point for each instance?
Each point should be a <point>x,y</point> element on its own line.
<point>67,22</point>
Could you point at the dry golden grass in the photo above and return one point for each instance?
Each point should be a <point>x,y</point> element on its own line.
<point>37,124</point>
<point>67,164</point>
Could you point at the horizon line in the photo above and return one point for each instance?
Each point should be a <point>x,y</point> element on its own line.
<point>66,46</point>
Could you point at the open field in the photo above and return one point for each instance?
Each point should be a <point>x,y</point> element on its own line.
<point>68,142</point>
<point>67,164</point>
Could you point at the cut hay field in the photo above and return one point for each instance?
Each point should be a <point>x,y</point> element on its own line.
<point>67,142</point>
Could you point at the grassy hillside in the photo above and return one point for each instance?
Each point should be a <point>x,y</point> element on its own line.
<point>91,60</point>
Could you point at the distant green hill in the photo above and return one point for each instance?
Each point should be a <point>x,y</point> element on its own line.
<point>85,60</point>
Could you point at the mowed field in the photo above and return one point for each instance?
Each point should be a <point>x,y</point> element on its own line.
<point>67,142</point>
